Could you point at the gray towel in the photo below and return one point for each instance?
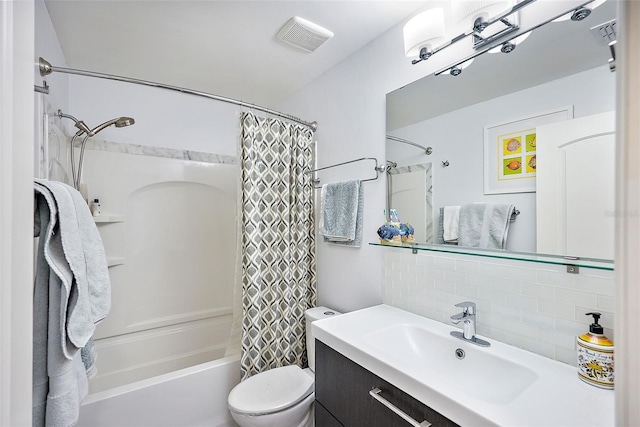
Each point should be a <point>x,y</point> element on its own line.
<point>90,299</point>
<point>484,225</point>
<point>357,241</point>
<point>71,293</point>
<point>89,356</point>
<point>440,236</point>
<point>339,210</point>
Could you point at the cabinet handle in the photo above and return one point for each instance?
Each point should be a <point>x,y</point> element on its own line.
<point>375,393</point>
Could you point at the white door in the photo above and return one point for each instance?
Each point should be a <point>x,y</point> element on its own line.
<point>576,187</point>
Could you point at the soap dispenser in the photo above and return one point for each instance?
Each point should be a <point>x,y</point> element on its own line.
<point>96,209</point>
<point>595,356</point>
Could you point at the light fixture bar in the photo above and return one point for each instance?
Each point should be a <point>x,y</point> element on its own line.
<point>487,48</point>
<point>479,40</point>
<point>475,33</point>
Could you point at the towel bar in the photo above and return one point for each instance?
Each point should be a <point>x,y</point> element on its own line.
<point>378,169</point>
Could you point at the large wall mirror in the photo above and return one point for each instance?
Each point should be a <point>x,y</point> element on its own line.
<point>552,102</point>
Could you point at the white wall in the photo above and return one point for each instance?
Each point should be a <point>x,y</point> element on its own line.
<point>163,118</point>
<point>589,92</point>
<point>349,104</point>
<point>48,47</point>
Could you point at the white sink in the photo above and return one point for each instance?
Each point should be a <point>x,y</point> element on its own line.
<point>481,372</point>
<point>500,385</point>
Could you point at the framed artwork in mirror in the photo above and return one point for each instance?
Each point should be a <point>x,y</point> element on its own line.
<point>510,152</point>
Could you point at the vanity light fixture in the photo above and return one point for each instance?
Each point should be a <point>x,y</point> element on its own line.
<point>486,20</point>
<point>423,32</point>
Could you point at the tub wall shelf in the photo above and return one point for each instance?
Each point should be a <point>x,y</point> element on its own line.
<point>108,218</point>
<point>112,261</point>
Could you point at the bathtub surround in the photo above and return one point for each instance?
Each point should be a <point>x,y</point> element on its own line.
<point>535,306</point>
<point>278,242</point>
<point>189,264</point>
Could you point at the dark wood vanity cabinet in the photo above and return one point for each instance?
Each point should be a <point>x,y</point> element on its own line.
<point>343,399</point>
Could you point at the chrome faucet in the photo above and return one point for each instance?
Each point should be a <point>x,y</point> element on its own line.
<point>468,319</point>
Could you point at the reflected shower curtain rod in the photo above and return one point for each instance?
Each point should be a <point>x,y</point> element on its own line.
<point>46,68</point>
<point>427,150</point>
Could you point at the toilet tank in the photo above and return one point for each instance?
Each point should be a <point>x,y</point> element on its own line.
<point>311,315</point>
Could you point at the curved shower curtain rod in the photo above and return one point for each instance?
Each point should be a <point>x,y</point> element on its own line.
<point>46,68</point>
<point>427,150</point>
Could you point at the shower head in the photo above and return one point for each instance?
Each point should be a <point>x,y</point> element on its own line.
<point>125,121</point>
<point>120,122</point>
<point>78,123</point>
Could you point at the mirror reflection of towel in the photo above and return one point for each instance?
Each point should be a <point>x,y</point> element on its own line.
<point>484,225</point>
<point>450,223</point>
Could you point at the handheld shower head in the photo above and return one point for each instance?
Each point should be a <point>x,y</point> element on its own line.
<point>78,123</point>
<point>120,122</point>
<point>125,121</point>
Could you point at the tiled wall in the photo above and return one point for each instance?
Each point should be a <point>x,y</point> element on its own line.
<point>535,306</point>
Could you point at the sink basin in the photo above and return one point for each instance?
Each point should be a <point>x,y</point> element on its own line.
<point>500,385</point>
<point>480,372</point>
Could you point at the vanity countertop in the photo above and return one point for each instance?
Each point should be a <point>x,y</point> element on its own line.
<point>498,385</point>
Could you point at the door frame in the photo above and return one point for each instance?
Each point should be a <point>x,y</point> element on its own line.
<point>16,209</point>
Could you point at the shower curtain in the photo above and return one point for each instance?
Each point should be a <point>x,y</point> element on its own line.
<point>278,242</point>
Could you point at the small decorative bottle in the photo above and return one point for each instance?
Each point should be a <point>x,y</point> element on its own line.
<point>95,209</point>
<point>595,356</point>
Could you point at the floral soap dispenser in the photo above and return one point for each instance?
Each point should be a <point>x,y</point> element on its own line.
<point>595,356</point>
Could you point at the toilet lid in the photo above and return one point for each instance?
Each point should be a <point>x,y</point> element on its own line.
<point>271,391</point>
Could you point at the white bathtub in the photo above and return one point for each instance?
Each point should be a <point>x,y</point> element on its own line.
<point>195,396</point>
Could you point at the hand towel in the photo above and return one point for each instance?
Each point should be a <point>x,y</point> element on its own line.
<point>484,225</point>
<point>357,241</point>
<point>339,210</point>
<point>450,223</point>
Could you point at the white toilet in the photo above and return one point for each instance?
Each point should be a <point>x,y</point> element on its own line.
<point>280,397</point>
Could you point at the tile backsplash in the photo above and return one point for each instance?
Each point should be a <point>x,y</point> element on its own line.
<point>538,307</point>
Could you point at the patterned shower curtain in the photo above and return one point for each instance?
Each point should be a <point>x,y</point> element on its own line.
<point>278,242</point>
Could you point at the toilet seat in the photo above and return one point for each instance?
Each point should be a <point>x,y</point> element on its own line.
<point>271,391</point>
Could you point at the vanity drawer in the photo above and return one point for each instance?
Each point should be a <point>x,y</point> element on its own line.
<point>342,388</point>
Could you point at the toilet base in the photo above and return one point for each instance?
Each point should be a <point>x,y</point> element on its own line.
<point>300,415</point>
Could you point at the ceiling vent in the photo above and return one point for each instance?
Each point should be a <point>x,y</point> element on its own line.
<point>303,34</point>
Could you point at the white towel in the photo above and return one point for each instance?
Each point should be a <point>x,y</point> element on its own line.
<point>339,210</point>
<point>451,223</point>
